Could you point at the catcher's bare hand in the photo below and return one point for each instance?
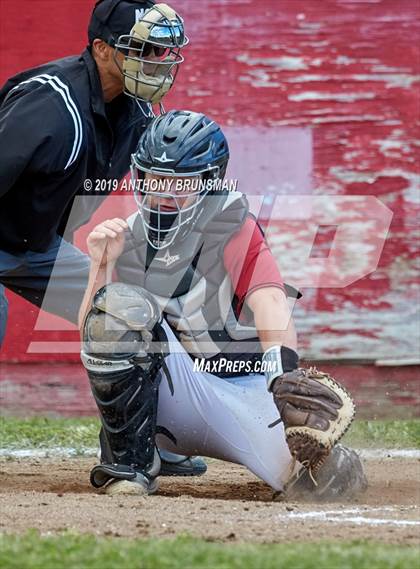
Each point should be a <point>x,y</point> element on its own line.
<point>106,242</point>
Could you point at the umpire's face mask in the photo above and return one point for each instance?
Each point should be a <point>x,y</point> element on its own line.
<point>152,53</point>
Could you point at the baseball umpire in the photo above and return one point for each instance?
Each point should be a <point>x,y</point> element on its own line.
<point>176,350</point>
<point>68,121</point>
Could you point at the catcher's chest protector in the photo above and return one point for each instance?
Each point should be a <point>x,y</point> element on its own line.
<point>189,280</point>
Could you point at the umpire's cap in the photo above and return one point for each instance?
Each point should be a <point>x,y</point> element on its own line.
<point>113,18</point>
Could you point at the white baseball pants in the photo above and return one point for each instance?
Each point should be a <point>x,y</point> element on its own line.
<point>222,418</point>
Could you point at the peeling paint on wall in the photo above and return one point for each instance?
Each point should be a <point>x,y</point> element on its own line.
<point>349,71</point>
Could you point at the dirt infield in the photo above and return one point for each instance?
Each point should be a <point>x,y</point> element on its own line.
<point>227,504</point>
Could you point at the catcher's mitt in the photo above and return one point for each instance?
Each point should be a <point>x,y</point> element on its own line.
<point>316,412</point>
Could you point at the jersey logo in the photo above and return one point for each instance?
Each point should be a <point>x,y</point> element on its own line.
<point>163,158</point>
<point>168,259</point>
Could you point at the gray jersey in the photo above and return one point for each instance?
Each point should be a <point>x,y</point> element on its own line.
<point>190,281</point>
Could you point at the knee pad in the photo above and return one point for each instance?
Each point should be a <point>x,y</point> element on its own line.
<point>124,347</point>
<point>123,322</point>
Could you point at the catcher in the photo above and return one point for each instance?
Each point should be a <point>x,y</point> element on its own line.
<point>176,348</point>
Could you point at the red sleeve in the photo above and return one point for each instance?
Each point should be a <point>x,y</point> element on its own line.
<point>249,262</point>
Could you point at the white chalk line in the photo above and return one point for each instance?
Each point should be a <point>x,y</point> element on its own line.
<point>64,452</point>
<point>52,452</point>
<point>356,516</point>
<point>375,453</point>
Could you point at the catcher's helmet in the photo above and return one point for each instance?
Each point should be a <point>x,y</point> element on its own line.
<point>178,144</point>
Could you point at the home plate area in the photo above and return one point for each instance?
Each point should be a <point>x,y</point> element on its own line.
<point>227,504</point>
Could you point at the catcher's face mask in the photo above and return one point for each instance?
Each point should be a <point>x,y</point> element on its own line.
<point>168,204</point>
<point>152,54</point>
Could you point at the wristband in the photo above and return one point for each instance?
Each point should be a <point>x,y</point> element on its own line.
<point>278,360</point>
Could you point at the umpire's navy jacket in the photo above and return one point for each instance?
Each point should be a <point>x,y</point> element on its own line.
<point>56,132</point>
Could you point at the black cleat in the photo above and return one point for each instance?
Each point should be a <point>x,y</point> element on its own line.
<point>179,465</point>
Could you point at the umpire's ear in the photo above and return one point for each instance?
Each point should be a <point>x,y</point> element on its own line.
<point>102,51</point>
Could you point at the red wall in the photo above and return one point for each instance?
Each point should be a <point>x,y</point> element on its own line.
<point>346,72</point>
